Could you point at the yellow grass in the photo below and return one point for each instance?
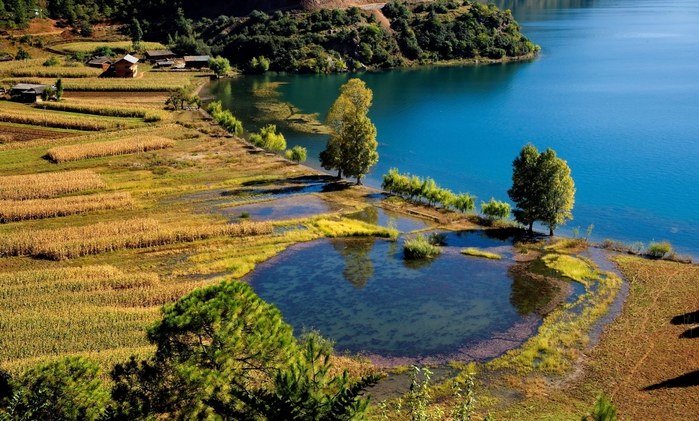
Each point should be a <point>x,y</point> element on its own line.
<point>87,309</point>
<point>73,242</point>
<point>16,113</point>
<point>480,253</point>
<point>54,72</point>
<point>69,153</point>
<point>158,81</point>
<point>341,227</point>
<point>18,210</point>
<point>88,47</point>
<point>34,186</point>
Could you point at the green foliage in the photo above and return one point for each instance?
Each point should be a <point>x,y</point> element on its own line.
<point>351,148</point>
<point>297,153</point>
<point>22,54</point>
<point>258,65</point>
<point>65,389</point>
<point>213,347</point>
<point>420,248</point>
<point>51,61</point>
<point>419,396</point>
<point>46,93</point>
<point>496,210</point>
<point>465,399</point>
<point>604,410</point>
<point>658,250</point>
<point>269,139</point>
<point>414,187</point>
<point>135,31</point>
<point>220,66</point>
<point>542,188</point>
<point>225,119</point>
<point>103,51</point>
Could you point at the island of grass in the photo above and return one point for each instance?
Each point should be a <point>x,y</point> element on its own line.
<point>397,35</point>
<point>481,253</point>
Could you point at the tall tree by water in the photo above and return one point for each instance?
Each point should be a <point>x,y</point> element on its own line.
<point>525,191</point>
<point>351,148</point>
<point>542,188</point>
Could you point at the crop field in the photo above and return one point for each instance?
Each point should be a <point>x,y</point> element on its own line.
<point>69,153</point>
<point>54,72</point>
<point>140,100</point>
<point>148,115</point>
<point>22,114</point>
<point>117,46</point>
<point>23,187</point>
<point>47,313</point>
<point>145,82</point>
<point>18,210</point>
<point>12,132</point>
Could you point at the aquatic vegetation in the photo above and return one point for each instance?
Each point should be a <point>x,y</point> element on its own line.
<point>659,250</point>
<point>481,253</point>
<point>343,227</point>
<point>420,248</point>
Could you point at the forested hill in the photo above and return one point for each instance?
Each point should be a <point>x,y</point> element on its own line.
<point>337,40</point>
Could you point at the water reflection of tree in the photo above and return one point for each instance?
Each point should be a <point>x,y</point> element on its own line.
<point>358,265</point>
<point>528,294</point>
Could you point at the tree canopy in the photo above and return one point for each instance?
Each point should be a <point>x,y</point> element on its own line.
<point>351,148</point>
<point>542,188</point>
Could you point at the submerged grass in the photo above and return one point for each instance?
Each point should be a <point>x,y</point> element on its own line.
<point>480,253</point>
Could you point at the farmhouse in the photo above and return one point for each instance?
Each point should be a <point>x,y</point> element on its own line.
<point>196,62</point>
<point>29,92</point>
<point>102,62</point>
<point>158,55</point>
<point>126,66</point>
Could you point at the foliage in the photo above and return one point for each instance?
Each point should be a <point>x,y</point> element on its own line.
<point>419,396</point>
<point>420,248</point>
<point>297,153</point>
<point>269,139</point>
<point>542,188</point>
<point>220,66</point>
<point>414,187</point>
<point>46,93</point>
<point>136,33</point>
<point>658,250</point>
<point>604,410</point>
<point>22,54</point>
<point>213,345</point>
<point>496,210</point>
<point>351,148</point>
<point>258,65</point>
<point>103,50</point>
<point>66,389</point>
<point>225,119</point>
<point>465,399</point>
<point>59,89</point>
<point>51,61</point>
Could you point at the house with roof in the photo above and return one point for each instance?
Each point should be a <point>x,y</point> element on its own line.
<point>196,62</point>
<point>102,62</point>
<point>159,55</point>
<point>126,66</point>
<point>29,92</point>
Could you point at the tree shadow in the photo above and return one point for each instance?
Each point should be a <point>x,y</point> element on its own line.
<point>686,319</point>
<point>685,380</point>
<point>690,333</point>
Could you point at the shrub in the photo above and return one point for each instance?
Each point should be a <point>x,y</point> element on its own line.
<point>297,153</point>
<point>658,250</point>
<point>420,248</point>
<point>51,61</point>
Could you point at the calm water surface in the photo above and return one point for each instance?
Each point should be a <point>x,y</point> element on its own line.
<point>615,93</point>
<point>364,295</point>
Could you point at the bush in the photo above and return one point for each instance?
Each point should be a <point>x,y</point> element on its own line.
<point>22,54</point>
<point>495,210</point>
<point>658,250</point>
<point>420,248</point>
<point>51,61</point>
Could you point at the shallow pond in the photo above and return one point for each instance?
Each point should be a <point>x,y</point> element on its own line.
<point>366,297</point>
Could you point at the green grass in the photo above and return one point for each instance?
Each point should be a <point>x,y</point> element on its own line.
<point>343,227</point>
<point>420,248</point>
<point>480,253</point>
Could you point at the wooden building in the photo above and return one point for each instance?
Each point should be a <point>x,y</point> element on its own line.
<point>159,55</point>
<point>101,62</point>
<point>126,66</point>
<point>196,62</point>
<point>29,92</point>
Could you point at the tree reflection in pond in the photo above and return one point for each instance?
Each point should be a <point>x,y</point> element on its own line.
<point>355,252</point>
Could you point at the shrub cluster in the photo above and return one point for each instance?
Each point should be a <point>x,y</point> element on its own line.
<point>420,248</point>
<point>427,190</point>
<point>225,118</point>
<point>269,139</point>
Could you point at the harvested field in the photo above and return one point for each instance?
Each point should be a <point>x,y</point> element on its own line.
<point>103,110</point>
<point>73,242</point>
<point>22,133</point>
<point>23,187</point>
<point>18,210</point>
<point>21,114</point>
<point>69,153</point>
<point>148,82</point>
<point>55,72</point>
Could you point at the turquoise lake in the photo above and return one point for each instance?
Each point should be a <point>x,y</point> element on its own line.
<point>615,92</point>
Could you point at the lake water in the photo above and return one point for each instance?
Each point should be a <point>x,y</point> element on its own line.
<point>366,297</point>
<point>615,92</point>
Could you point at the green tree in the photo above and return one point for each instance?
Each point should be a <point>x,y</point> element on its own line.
<point>269,139</point>
<point>65,389</point>
<point>59,89</point>
<point>351,148</point>
<point>136,33</point>
<point>604,410</point>
<point>297,153</point>
<point>495,210</point>
<point>213,346</point>
<point>525,191</point>
<point>220,66</point>
<point>22,54</point>
<point>558,191</point>
<point>46,93</point>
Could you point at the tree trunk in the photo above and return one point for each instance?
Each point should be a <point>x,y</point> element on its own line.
<point>531,227</point>
<point>339,174</point>
<point>359,181</point>
<point>551,232</point>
